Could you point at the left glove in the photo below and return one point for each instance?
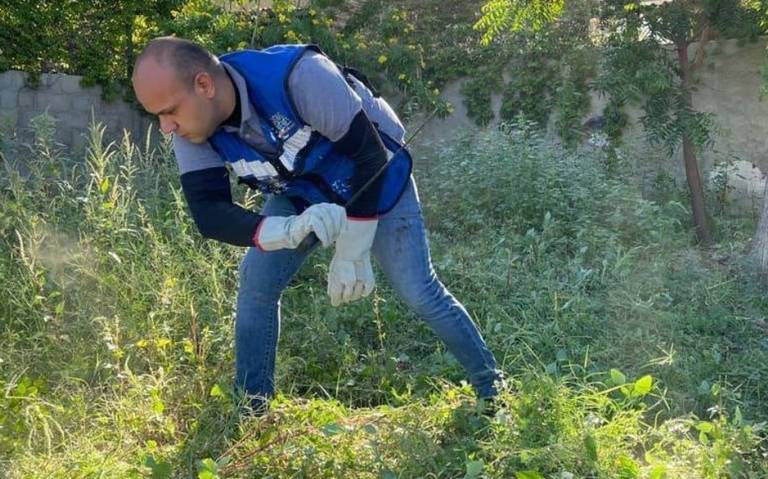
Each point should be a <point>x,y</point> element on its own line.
<point>326,220</point>
<point>350,276</point>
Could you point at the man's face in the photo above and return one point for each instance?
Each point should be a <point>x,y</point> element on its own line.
<point>185,110</point>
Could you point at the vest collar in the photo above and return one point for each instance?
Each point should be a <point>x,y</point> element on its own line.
<point>246,109</point>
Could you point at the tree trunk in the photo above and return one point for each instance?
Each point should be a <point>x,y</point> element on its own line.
<point>759,250</point>
<point>700,221</point>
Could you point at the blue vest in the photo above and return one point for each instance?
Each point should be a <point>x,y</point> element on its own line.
<point>306,167</point>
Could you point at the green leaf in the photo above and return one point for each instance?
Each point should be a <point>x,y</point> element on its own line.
<point>704,387</point>
<point>716,388</point>
<point>551,368</point>
<point>617,377</point>
<point>528,475</point>
<point>625,391</point>
<point>332,429</point>
<point>216,391</point>
<point>705,426</point>
<point>474,469</point>
<point>628,468</point>
<point>643,386</point>
<point>658,472</point>
<point>157,406</point>
<point>104,186</point>
<point>208,469</point>
<point>590,444</point>
<point>160,470</point>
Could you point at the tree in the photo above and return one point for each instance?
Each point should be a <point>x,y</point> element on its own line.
<point>645,58</point>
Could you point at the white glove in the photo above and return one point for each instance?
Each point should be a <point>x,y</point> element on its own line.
<point>350,276</point>
<point>326,220</point>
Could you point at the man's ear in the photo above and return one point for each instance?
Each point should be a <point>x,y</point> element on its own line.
<point>205,85</point>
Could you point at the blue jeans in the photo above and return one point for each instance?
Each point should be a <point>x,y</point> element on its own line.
<point>401,250</point>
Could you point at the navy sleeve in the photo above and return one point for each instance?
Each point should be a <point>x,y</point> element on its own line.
<point>363,145</point>
<point>209,199</point>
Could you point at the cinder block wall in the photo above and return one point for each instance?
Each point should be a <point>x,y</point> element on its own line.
<point>729,87</point>
<point>70,104</point>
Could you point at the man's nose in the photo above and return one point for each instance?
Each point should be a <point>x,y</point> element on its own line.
<point>167,125</point>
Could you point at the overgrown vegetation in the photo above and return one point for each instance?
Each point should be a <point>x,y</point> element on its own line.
<point>629,352</point>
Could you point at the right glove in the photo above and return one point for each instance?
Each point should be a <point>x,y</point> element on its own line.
<point>326,220</point>
<point>350,276</point>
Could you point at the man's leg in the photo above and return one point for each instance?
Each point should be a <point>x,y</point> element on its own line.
<point>402,251</point>
<point>263,277</point>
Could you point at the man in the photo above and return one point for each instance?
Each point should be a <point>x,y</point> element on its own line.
<point>288,121</point>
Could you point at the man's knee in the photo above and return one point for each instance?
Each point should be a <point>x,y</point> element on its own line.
<point>424,296</point>
<point>257,279</point>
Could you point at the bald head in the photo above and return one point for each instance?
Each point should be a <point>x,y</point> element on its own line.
<point>185,86</point>
<point>183,57</point>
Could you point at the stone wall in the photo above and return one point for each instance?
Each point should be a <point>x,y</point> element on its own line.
<point>729,87</point>
<point>72,105</point>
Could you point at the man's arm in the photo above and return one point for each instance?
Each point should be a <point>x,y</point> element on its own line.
<point>205,182</point>
<point>327,103</point>
<point>209,199</point>
<point>363,144</point>
<point>330,106</point>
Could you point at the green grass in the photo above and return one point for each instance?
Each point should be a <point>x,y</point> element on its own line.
<point>629,351</point>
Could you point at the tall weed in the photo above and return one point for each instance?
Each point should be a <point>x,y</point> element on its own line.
<point>629,353</point>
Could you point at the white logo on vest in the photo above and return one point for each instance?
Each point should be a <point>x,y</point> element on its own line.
<point>282,124</point>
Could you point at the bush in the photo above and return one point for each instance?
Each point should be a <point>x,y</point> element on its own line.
<point>515,178</point>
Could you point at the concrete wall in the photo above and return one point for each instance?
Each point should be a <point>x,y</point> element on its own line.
<point>72,105</point>
<point>729,87</point>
